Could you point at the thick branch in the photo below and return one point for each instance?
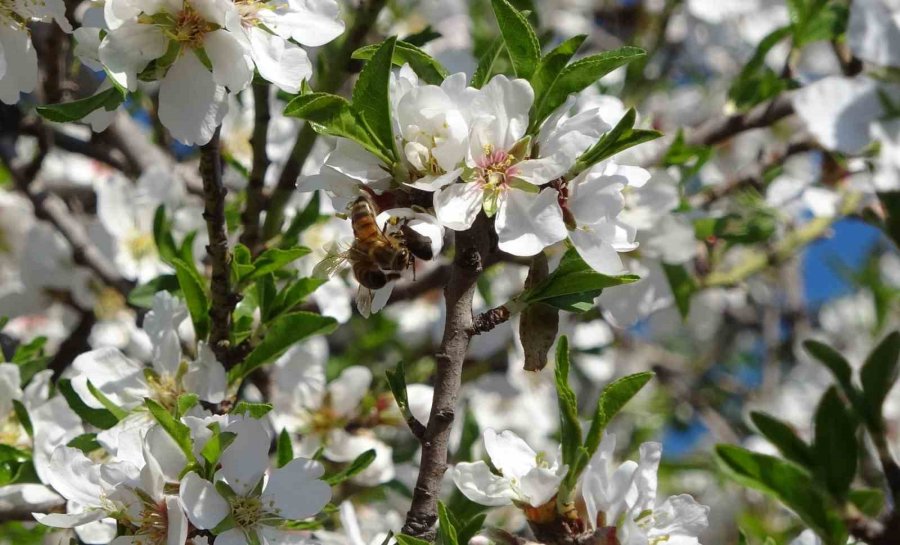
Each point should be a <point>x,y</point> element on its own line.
<point>336,72</point>
<point>473,249</point>
<point>256,183</point>
<point>223,298</point>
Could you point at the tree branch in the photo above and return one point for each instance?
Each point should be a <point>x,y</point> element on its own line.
<point>335,73</point>
<point>718,130</point>
<point>473,250</point>
<point>256,184</point>
<point>223,298</point>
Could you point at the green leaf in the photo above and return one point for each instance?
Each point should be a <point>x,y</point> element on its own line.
<point>833,361</point>
<point>333,115</point>
<point>520,39</point>
<point>86,443</point>
<point>879,374</point>
<point>397,382</point>
<point>835,447</point>
<point>272,260</point>
<point>177,430</point>
<point>446,528</point>
<point>613,398</point>
<point>870,501</point>
<point>683,286</point>
<point>22,417</point>
<point>577,76</point>
<point>294,294</point>
<point>573,282</point>
<point>216,444</point>
<point>116,411</point>
<point>787,483</point>
<point>423,64</point>
<point>569,424</point>
<point>472,527</point>
<point>100,418</point>
<point>185,403</point>
<point>370,95</point>
<point>361,462</point>
<point>281,335</point>
<point>302,221</point>
<point>77,109</point>
<point>404,539</point>
<point>194,295</point>
<point>162,235</point>
<point>486,64</point>
<point>620,138</point>
<point>757,82</point>
<point>552,65</point>
<point>285,451</point>
<point>142,296</point>
<point>254,410</point>
<point>784,438</point>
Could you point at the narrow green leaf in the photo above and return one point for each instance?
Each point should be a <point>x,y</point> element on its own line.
<point>162,235</point>
<point>485,67</point>
<point>446,527</point>
<point>870,501</point>
<point>618,139</point>
<point>22,417</point>
<point>424,65</point>
<point>404,539</point>
<point>86,443</point>
<point>333,115</point>
<point>185,403</point>
<point>301,221</point>
<point>397,382</point>
<point>194,295</point>
<point>116,411</point>
<point>177,430</point>
<point>879,374</point>
<point>833,361</point>
<point>361,462</point>
<point>142,296</point>
<point>284,332</point>
<point>552,65</point>
<point>683,286</point>
<point>290,297</point>
<point>274,259</point>
<point>285,450</point>
<point>835,446</point>
<point>254,410</point>
<point>77,109</point>
<point>614,397</point>
<point>519,37</point>
<point>577,76</point>
<point>573,281</point>
<point>472,527</point>
<point>370,95</point>
<point>787,483</point>
<point>784,438</point>
<point>569,424</point>
<point>100,418</point>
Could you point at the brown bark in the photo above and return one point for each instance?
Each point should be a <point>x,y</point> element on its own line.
<point>473,249</point>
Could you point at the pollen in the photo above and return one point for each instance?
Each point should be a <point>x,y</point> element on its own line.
<point>190,27</point>
<point>246,511</point>
<point>140,245</point>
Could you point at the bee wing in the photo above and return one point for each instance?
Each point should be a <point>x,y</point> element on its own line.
<point>333,261</point>
<point>364,301</point>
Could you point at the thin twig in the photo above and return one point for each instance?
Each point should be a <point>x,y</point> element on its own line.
<point>256,183</point>
<point>223,299</point>
<point>473,249</point>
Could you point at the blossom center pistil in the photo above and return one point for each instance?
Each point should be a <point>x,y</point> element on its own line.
<point>247,511</point>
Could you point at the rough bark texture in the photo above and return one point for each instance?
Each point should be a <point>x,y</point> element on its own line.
<point>473,249</point>
<point>223,299</point>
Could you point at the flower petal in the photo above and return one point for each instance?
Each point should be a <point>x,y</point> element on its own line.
<point>509,453</point>
<point>295,492</point>
<point>126,51</point>
<point>528,223</point>
<point>191,104</point>
<point>477,483</point>
<point>205,507</point>
<point>278,61</point>
<point>231,64</point>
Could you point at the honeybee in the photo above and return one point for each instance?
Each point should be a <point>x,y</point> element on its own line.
<point>376,256</point>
